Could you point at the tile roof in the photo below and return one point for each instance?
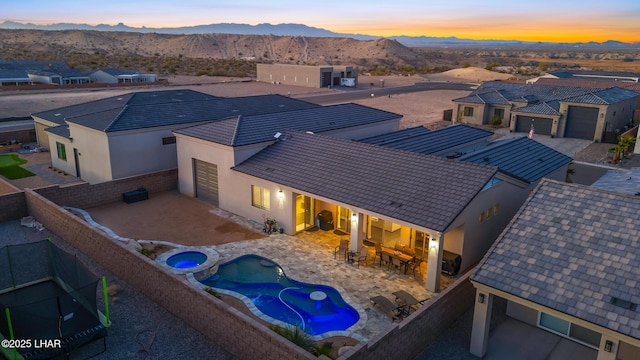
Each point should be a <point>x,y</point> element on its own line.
<point>13,75</point>
<point>521,158</point>
<point>429,142</point>
<point>61,130</point>
<point>245,130</point>
<point>572,248</point>
<point>163,108</point>
<point>550,108</point>
<point>424,190</point>
<point>396,136</point>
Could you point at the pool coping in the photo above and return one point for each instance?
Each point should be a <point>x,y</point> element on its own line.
<point>212,259</point>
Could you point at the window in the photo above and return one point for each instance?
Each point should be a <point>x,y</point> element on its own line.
<point>489,213</point>
<point>468,111</point>
<point>168,140</point>
<point>481,217</point>
<point>495,209</point>
<point>499,113</point>
<point>260,198</point>
<point>62,151</point>
<point>570,330</point>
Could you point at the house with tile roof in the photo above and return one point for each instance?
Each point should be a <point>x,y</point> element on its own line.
<point>131,134</point>
<point>594,75</point>
<point>558,111</point>
<point>567,263</point>
<point>11,77</point>
<point>436,206</point>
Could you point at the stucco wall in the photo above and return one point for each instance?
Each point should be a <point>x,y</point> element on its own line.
<point>67,165</point>
<point>300,75</point>
<point>93,153</point>
<point>141,152</point>
<point>478,236</point>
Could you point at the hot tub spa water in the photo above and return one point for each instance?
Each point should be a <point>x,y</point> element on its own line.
<point>317,309</point>
<point>187,259</point>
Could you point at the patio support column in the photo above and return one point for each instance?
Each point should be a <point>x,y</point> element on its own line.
<point>434,263</point>
<point>481,321</point>
<point>357,230</point>
<point>608,351</point>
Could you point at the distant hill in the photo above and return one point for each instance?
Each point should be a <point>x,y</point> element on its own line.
<point>308,31</point>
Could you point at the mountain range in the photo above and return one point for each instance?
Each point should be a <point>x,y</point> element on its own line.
<point>308,31</point>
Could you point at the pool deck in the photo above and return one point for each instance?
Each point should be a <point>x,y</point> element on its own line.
<point>307,256</point>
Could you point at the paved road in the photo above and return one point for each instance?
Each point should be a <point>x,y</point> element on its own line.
<point>357,94</point>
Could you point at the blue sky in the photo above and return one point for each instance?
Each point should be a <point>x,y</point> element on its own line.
<point>541,20</point>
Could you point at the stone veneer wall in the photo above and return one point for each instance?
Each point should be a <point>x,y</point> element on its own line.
<point>223,324</point>
<point>12,202</point>
<point>85,195</point>
<point>407,339</point>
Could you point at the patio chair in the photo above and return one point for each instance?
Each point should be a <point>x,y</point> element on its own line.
<point>343,248</point>
<point>404,298</point>
<point>397,312</point>
<point>396,263</point>
<point>378,247</point>
<point>362,257</point>
<point>386,259</point>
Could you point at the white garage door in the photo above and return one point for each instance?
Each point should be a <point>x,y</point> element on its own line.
<point>206,179</point>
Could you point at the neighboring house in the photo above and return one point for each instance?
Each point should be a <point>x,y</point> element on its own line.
<point>14,78</point>
<point>59,77</point>
<point>621,181</point>
<point>589,75</point>
<point>567,263</point>
<point>559,111</point>
<point>131,134</point>
<point>120,76</point>
<point>306,75</point>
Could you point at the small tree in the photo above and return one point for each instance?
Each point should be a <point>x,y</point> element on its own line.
<point>496,121</point>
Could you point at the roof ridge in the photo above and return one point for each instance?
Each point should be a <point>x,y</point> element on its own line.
<point>115,118</point>
<point>234,136</point>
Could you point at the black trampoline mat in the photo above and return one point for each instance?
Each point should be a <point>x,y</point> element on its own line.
<point>37,313</point>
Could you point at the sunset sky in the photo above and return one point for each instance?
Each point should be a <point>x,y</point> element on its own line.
<point>541,20</point>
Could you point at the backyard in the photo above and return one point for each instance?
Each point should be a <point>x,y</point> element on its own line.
<point>10,167</point>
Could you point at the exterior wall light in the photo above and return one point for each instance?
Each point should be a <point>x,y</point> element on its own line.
<point>434,243</point>
<point>280,194</point>
<point>608,346</point>
<point>481,298</point>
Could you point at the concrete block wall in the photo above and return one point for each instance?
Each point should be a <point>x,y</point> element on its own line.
<point>231,329</point>
<point>407,339</point>
<point>13,205</point>
<point>85,196</point>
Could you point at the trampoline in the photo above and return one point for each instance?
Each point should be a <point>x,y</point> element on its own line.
<point>48,295</point>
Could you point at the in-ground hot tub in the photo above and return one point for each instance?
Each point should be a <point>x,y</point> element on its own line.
<point>187,259</point>
<point>184,260</point>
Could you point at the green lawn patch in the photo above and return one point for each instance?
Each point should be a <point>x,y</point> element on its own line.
<point>10,167</point>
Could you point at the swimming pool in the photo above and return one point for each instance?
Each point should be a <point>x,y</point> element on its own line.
<point>317,309</point>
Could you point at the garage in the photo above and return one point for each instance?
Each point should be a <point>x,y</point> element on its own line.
<point>581,122</point>
<point>206,181</point>
<point>540,125</point>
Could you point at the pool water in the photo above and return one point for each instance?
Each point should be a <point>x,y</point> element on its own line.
<point>290,301</point>
<point>187,259</point>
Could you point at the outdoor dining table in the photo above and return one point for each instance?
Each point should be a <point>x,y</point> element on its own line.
<point>404,258</point>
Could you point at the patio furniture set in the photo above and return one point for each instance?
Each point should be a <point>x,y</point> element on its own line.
<point>398,257</point>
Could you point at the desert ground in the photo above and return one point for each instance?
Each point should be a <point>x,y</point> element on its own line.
<point>420,108</point>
